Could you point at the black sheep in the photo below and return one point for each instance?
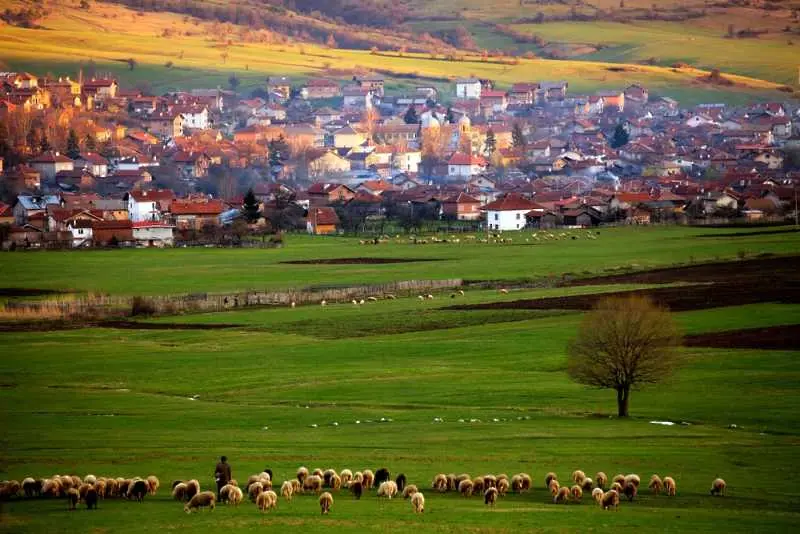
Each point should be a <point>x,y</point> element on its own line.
<point>91,499</point>
<point>381,475</point>
<point>176,482</point>
<point>357,489</point>
<point>401,482</point>
<point>138,490</point>
<point>269,472</point>
<point>33,488</point>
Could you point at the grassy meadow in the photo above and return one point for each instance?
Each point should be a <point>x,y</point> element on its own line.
<point>403,384</point>
<point>109,34</point>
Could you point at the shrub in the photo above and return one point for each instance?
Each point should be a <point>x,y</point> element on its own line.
<point>142,306</point>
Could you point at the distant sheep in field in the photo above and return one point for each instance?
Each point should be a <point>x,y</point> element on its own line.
<point>372,299</point>
<point>619,479</point>
<point>205,499</point>
<point>489,481</point>
<point>390,297</point>
<point>577,492</point>
<point>526,482</point>
<point>100,486</point>
<point>578,476</point>
<point>123,486</point>
<point>610,500</point>
<point>323,303</point>
<point>90,479</point>
<point>355,302</point>
<point>235,495</point>
<point>152,484</point>
<point>549,477</point>
<point>502,486</point>
<point>31,488</point>
<point>138,490</point>
<point>504,291</point>
<point>369,479</point>
<point>655,485</point>
<point>461,292</point>
<point>669,486</point>
<point>616,486</point>
<point>633,479</point>
<point>361,302</point>
<point>601,479</point>
<point>293,304</point>
<point>356,488</point>
<point>335,482</point>
<point>418,502</point>
<point>192,489</point>
<point>381,476</point>
<point>10,489</point>
<point>718,487</point>
<point>387,489</point>
<point>51,487</point>
<point>296,486</point>
<point>440,483</point>
<point>254,491</point>
<point>465,488</point>
<point>478,485</point>
<point>327,475</point>
<point>597,495</point>
<point>409,490</point>
<point>587,484</point>
<point>91,498</point>
<point>452,482</point>
<point>179,492</point>
<point>555,487</point>
<point>267,501</point>
<point>325,503</point>
<point>429,296</point>
<point>346,475</point>
<point>287,490</point>
<point>72,498</point>
<point>462,476</point>
<point>401,482</point>
<point>630,490</point>
<point>82,489</point>
<point>420,297</point>
<point>490,497</point>
<point>313,483</point>
<point>561,496</point>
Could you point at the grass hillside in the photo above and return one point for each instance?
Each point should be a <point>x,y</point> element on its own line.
<point>194,53</point>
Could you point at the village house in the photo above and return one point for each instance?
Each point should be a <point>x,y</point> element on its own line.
<point>192,164</point>
<point>461,207</point>
<point>6,214</point>
<point>357,98</point>
<point>465,166</point>
<point>321,193</point>
<point>194,215</point>
<point>94,163</point>
<point>149,205</point>
<point>393,134</point>
<point>374,84</point>
<point>317,88</point>
<point>322,221</point>
<point>468,88</point>
<point>613,100</point>
<point>194,117</point>
<point>48,164</point>
<point>30,207</point>
<point>509,212</point>
<point>407,160</point>
<point>105,233</point>
<point>101,88</point>
<point>279,87</point>
<point>326,162</point>
<point>153,233</point>
<point>164,125</point>
<point>348,137</point>
<point>554,91</point>
<point>523,94</point>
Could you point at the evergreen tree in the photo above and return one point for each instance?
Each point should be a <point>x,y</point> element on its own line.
<point>517,137</point>
<point>250,208</point>
<point>491,142</point>
<point>411,115</point>
<point>5,143</point>
<point>73,145</point>
<point>91,144</point>
<point>620,138</point>
<point>278,151</point>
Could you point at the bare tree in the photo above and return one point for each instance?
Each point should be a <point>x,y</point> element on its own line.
<point>623,344</point>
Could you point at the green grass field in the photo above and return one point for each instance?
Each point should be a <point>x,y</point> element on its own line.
<point>267,394</point>
<point>109,34</point>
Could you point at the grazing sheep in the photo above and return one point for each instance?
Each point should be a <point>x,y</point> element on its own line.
<point>224,493</point>
<point>554,487</point>
<point>526,482</point>
<point>516,483</point>
<point>502,486</point>
<point>390,296</point>
<point>90,498</point>
<point>175,483</point>
<point>619,479</point>
<point>418,503</point>
<point>100,486</point>
<point>336,482</point>
<point>578,476</point>
<point>718,487</point>
<point>461,292</point>
<point>51,487</point>
<point>317,472</point>
<point>587,485</point>
<point>296,487</point>
<point>401,482</point>
<point>490,497</point>
<point>205,499</point>
<point>549,477</point>
<point>138,490</point>
<point>325,502</point>
<point>76,481</point>
<point>630,490</point>
<point>31,487</point>
<point>356,488</point>
<point>440,483</point>
<point>669,486</point>
<point>465,488</point>
<point>65,482</point>
<point>633,479</point>
<point>72,498</point>
<point>478,485</point>
<point>409,490</point>
<point>372,299</point>
<point>597,495</point>
<point>576,492</point>
<point>323,303</point>
<point>561,496</point>
<point>504,291</point>
<point>82,489</point>
<point>111,487</point>
<point>361,302</point>
<point>235,495</point>
<point>326,476</point>
<point>264,476</point>
<point>192,488</point>
<point>10,489</point>
<point>369,479</point>
<point>429,296</point>
<point>313,483</point>
<point>346,475</point>
<point>489,481</point>
<point>355,302</point>
<point>420,297</point>
<point>610,500</point>
<point>381,476</point>
<point>179,492</point>
<point>123,486</point>
<point>302,473</point>
<point>655,484</point>
<point>255,490</point>
<point>266,501</point>
<point>462,476</point>
<point>616,486</point>
<point>387,489</point>
<point>152,484</point>
<point>293,304</point>
<point>287,490</point>
<point>452,482</point>
<point>601,479</point>
<point>90,479</point>
<point>358,476</point>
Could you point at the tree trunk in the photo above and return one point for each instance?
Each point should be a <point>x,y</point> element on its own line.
<point>623,395</point>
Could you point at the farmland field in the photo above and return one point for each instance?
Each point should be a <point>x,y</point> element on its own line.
<point>412,385</point>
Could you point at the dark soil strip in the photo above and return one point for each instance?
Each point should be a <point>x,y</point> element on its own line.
<point>785,337</point>
<point>685,298</point>
<point>357,261</point>
<point>745,272</point>
<point>26,292</point>
<point>746,234</point>
<point>51,326</point>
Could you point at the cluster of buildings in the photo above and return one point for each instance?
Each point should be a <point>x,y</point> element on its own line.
<point>531,154</point>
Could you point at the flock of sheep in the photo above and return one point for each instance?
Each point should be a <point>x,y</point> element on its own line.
<point>259,488</point>
<point>491,238</point>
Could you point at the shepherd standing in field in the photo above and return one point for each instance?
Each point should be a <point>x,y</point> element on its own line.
<point>222,474</point>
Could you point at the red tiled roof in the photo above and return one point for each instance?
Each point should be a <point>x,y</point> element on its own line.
<point>461,198</point>
<point>145,196</point>
<point>512,202</point>
<point>51,157</point>
<point>460,158</point>
<point>211,207</point>
<point>323,215</point>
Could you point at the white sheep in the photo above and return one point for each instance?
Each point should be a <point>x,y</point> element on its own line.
<point>418,502</point>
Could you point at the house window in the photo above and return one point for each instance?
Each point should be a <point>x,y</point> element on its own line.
<point>517,216</point>
<point>496,217</point>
